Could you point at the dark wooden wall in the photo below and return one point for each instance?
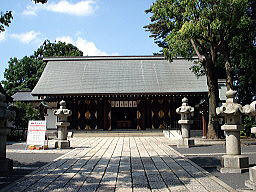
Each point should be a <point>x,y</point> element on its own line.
<point>151,113</point>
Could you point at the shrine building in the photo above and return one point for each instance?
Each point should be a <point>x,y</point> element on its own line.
<point>121,92</point>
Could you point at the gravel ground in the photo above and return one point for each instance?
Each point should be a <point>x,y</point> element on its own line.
<point>208,157</point>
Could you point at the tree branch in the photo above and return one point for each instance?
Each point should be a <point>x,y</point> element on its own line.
<point>201,58</point>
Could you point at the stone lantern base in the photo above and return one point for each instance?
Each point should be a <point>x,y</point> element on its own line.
<point>234,164</point>
<point>62,144</point>
<point>252,176</point>
<point>6,165</point>
<point>186,143</point>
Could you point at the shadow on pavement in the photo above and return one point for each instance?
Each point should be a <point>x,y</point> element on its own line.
<point>104,174</point>
<point>206,162</point>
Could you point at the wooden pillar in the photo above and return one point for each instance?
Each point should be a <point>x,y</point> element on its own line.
<point>141,114</point>
<point>74,113</point>
<point>148,118</point>
<point>107,115</point>
<point>204,126</point>
<point>174,117</point>
<point>100,114</point>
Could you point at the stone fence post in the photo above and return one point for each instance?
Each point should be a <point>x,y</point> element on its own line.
<point>233,161</point>
<point>62,124</point>
<point>5,114</point>
<point>251,111</point>
<point>186,113</point>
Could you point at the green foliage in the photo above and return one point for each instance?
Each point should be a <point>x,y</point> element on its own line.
<point>24,113</point>
<point>245,75</point>
<point>48,49</point>
<point>248,123</point>
<point>197,69</point>
<point>5,20</point>
<point>209,23</point>
<point>23,74</point>
<point>40,1</point>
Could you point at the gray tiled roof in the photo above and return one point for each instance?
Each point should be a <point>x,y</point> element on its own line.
<point>113,75</point>
<point>24,96</point>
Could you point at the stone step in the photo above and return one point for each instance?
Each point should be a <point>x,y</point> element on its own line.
<point>118,133</point>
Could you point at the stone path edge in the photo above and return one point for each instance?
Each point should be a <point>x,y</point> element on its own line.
<point>205,172</point>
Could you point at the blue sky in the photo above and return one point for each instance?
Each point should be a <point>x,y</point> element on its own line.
<point>97,27</point>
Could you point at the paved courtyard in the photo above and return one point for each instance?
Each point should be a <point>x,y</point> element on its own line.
<point>120,164</point>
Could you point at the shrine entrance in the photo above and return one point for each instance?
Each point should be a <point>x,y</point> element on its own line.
<point>124,118</point>
<point>123,114</point>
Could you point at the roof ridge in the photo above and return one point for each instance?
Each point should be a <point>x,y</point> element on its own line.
<point>79,58</point>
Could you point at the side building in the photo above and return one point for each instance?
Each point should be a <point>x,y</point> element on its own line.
<point>121,92</point>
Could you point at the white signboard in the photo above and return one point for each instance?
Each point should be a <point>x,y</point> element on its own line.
<point>123,103</point>
<point>36,133</point>
<point>126,104</point>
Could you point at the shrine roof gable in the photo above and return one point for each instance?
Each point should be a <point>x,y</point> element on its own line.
<point>117,75</point>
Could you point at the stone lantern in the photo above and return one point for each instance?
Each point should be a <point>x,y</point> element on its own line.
<point>251,111</point>
<point>233,161</point>
<point>62,124</point>
<point>5,114</point>
<point>186,113</point>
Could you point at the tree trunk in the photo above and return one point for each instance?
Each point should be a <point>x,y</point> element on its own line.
<point>229,81</point>
<point>208,62</point>
<point>213,95</point>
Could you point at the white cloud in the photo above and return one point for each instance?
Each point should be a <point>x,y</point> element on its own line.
<point>81,8</point>
<point>2,36</point>
<point>30,10</point>
<point>88,48</point>
<point>66,39</point>
<point>26,37</point>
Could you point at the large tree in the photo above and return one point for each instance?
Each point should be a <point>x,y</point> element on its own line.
<point>24,73</point>
<point>206,28</point>
<point>243,59</point>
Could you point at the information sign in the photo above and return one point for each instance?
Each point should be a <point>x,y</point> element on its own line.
<point>36,133</point>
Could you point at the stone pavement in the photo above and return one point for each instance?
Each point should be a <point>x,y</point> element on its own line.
<point>120,164</point>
